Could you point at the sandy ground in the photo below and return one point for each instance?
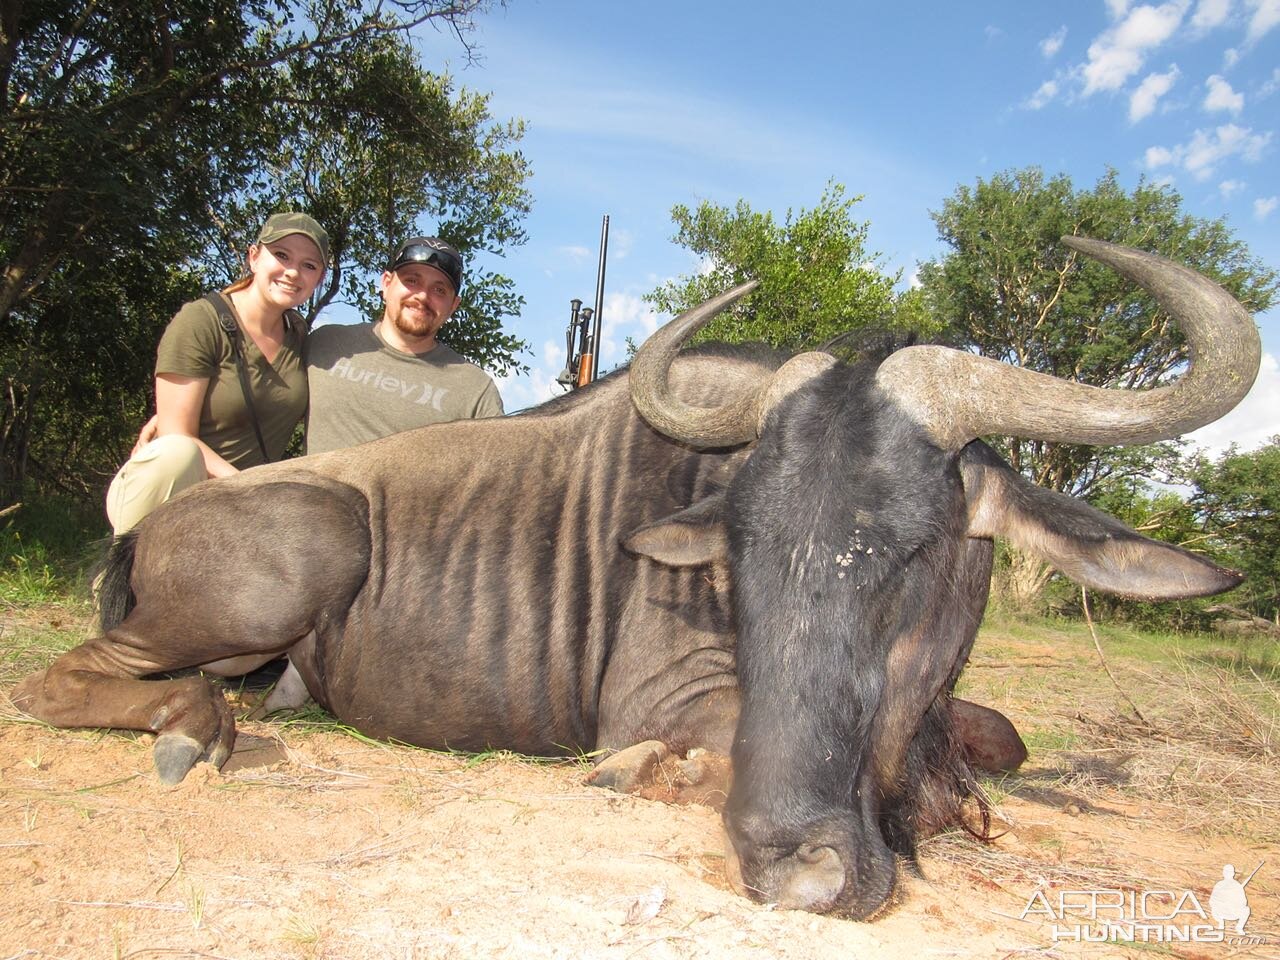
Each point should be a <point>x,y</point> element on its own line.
<point>320,845</point>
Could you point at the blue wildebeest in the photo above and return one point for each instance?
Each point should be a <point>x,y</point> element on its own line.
<point>541,582</point>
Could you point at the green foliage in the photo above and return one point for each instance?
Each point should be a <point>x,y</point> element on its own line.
<point>373,144</point>
<point>46,551</point>
<point>1230,513</point>
<point>1237,498</point>
<point>1011,291</point>
<point>817,279</point>
<point>141,148</point>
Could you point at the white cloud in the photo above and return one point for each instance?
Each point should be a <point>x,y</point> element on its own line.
<point>1253,423</point>
<point>1043,96</point>
<point>1051,44</point>
<point>993,33</point>
<point>1263,207</point>
<point>621,243</point>
<point>625,315</point>
<point>1229,188</point>
<point>1210,14</point>
<point>1222,97</point>
<point>1271,86</point>
<point>538,385</point>
<point>575,253</point>
<point>1144,99</point>
<point>1208,148</point>
<point>1120,52</point>
<point>1265,16</point>
<point>1117,8</point>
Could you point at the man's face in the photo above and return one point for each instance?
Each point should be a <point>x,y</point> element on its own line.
<point>419,299</point>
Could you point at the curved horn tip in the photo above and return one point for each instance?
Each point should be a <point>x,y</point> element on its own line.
<point>1090,246</point>
<point>741,290</point>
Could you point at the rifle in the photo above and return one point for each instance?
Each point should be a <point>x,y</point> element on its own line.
<point>582,365</point>
<point>576,344</point>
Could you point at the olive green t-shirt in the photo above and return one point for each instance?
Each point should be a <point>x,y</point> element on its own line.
<point>195,345</point>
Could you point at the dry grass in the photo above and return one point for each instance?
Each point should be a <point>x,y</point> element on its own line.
<point>1205,753</point>
<point>1007,867</point>
<point>1209,751</point>
<point>1182,732</point>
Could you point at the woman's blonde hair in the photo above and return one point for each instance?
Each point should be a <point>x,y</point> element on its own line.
<point>246,279</point>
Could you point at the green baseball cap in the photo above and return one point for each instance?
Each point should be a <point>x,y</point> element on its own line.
<point>282,224</point>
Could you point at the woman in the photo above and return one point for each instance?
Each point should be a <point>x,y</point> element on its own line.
<point>203,425</point>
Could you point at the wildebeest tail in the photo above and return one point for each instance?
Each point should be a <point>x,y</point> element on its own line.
<point>115,596</point>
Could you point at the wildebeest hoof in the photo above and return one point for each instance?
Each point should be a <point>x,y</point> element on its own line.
<point>630,768</point>
<point>174,755</point>
<point>991,742</point>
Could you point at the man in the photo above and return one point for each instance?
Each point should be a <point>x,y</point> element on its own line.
<point>371,381</point>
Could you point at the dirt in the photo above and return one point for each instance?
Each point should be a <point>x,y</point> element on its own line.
<point>322,845</point>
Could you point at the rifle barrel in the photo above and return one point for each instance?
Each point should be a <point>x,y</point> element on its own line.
<point>595,328</point>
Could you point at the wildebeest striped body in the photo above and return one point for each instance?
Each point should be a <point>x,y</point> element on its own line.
<point>496,608</point>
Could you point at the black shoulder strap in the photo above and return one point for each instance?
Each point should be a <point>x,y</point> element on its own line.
<point>227,321</point>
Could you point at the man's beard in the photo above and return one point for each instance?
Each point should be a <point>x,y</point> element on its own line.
<point>414,327</point>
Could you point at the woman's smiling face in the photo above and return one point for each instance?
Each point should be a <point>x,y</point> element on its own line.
<point>286,271</point>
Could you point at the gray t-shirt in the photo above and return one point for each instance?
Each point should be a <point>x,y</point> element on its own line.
<point>362,389</point>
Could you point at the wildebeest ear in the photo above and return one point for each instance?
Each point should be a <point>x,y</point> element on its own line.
<point>693,537</point>
<point>1092,548</point>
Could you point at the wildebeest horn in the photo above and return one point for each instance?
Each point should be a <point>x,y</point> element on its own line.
<point>958,396</point>
<point>705,427</point>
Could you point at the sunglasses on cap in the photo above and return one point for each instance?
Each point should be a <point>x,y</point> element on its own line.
<point>432,254</point>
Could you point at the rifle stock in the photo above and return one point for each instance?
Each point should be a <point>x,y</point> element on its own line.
<point>585,367</point>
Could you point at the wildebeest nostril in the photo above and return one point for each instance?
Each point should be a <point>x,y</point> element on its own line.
<point>816,875</point>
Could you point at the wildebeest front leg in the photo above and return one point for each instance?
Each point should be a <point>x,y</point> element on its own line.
<point>96,685</point>
<point>228,570</point>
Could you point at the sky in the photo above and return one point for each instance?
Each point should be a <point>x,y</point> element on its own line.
<point>634,108</point>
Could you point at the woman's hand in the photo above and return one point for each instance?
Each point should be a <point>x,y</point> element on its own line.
<point>150,430</point>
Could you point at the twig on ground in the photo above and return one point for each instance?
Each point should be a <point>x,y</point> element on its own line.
<point>1088,618</point>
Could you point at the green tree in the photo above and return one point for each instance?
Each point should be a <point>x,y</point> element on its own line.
<point>1237,499</point>
<point>1162,514</point>
<point>817,279</point>
<point>1009,290</point>
<point>138,142</point>
<point>373,145</point>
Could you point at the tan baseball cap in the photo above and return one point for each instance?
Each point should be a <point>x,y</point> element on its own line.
<point>282,224</point>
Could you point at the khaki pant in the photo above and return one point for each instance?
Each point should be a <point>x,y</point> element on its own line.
<point>164,467</point>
